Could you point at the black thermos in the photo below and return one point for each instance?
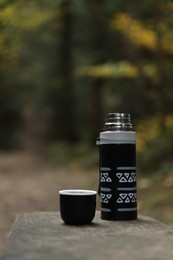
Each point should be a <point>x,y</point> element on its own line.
<point>117,163</point>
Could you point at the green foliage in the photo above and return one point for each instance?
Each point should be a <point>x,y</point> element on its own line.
<point>155,151</point>
<point>112,56</point>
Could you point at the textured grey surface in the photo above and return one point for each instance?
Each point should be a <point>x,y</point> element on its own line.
<point>43,236</point>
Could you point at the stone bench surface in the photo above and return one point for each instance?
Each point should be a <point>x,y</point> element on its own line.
<point>43,236</point>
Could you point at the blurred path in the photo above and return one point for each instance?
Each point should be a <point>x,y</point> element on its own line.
<point>29,183</point>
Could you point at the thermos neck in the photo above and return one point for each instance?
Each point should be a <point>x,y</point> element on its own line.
<point>118,122</point>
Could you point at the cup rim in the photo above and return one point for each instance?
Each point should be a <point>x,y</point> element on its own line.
<point>78,192</point>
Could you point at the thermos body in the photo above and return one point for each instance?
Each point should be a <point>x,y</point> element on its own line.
<point>117,180</point>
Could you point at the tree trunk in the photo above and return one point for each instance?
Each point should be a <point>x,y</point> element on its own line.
<point>63,115</point>
<point>98,57</point>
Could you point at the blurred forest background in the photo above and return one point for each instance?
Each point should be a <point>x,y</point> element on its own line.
<point>64,64</point>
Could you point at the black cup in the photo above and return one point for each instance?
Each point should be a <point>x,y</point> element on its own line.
<point>77,207</point>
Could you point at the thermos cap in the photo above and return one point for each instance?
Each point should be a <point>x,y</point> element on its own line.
<point>117,122</point>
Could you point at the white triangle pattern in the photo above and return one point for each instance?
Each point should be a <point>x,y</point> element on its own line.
<point>119,200</point>
<point>105,197</point>
<point>126,198</point>
<point>126,177</point>
<point>119,175</point>
<point>105,177</point>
